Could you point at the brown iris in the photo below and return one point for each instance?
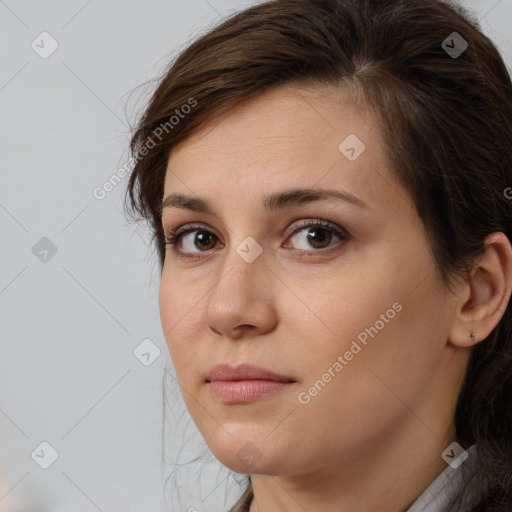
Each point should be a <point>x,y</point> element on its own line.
<point>317,240</point>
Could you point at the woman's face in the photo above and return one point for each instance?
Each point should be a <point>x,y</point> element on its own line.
<point>348,311</point>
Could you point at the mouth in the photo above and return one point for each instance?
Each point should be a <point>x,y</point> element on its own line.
<point>225,372</point>
<point>245,391</point>
<point>245,383</point>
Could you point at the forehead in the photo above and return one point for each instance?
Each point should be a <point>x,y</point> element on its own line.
<point>289,115</point>
<point>289,136</point>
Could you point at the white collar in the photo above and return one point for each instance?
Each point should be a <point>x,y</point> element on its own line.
<point>439,495</point>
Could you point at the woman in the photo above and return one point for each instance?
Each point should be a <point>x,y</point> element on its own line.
<point>327,186</point>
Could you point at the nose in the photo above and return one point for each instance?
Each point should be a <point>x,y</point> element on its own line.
<point>241,301</point>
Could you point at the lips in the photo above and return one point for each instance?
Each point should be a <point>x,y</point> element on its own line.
<point>225,372</point>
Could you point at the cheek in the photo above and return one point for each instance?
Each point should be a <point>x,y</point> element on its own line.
<point>367,351</point>
<point>344,311</point>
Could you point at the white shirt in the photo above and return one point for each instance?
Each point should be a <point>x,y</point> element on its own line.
<point>438,496</point>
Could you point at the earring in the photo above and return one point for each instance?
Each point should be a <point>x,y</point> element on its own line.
<point>472,336</point>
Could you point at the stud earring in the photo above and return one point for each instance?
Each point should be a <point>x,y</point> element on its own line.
<point>472,336</point>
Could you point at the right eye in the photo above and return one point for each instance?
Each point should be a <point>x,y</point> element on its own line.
<point>203,239</point>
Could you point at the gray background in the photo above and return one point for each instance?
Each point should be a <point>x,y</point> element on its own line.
<point>70,321</point>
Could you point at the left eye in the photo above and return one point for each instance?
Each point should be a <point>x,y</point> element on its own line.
<point>318,235</point>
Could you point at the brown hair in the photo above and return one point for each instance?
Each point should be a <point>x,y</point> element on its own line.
<point>446,121</point>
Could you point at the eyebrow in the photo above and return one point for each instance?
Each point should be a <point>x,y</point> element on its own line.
<point>271,203</point>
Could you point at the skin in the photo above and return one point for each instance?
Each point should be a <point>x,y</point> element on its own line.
<point>371,439</point>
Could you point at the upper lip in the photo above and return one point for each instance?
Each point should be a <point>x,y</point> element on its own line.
<point>243,372</point>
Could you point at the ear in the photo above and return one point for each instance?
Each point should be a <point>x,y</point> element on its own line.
<point>484,299</point>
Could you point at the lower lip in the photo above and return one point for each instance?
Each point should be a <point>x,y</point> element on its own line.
<point>244,391</point>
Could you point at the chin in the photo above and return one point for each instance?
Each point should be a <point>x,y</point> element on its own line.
<point>247,455</point>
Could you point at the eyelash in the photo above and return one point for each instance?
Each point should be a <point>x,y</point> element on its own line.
<point>173,237</point>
